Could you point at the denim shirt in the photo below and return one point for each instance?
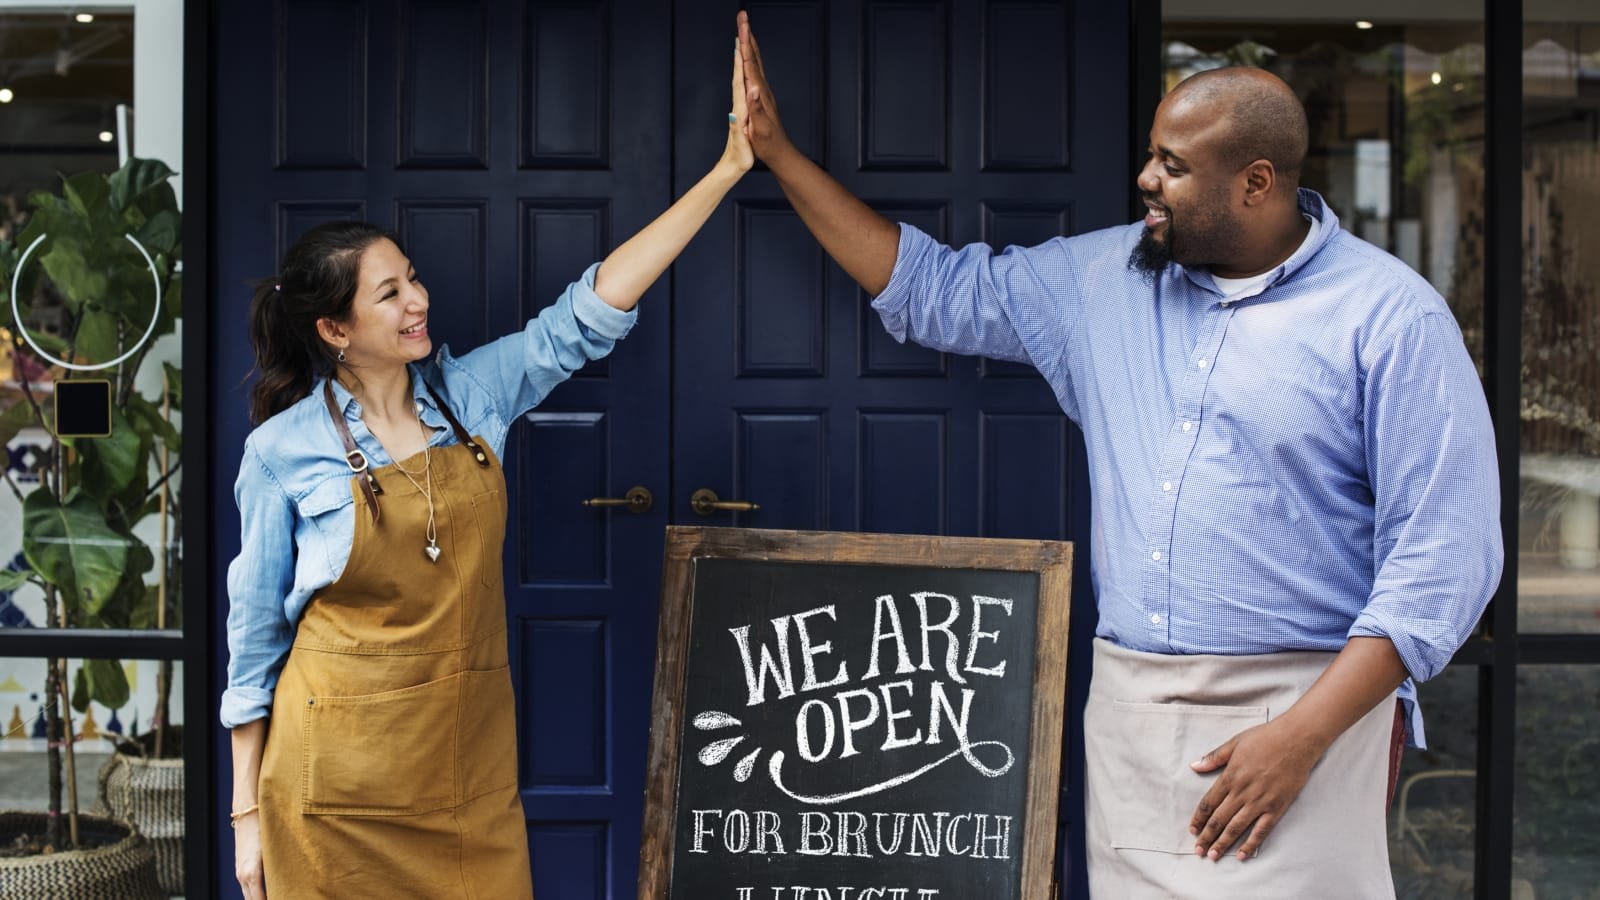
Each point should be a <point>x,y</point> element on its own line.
<point>1277,471</point>
<point>297,515</point>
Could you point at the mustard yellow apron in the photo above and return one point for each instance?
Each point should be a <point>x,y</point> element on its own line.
<point>390,768</point>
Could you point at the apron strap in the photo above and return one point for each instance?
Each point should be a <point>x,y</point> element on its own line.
<point>352,454</point>
<point>455,423</point>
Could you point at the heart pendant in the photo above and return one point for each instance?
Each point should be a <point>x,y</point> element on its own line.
<point>433,552</point>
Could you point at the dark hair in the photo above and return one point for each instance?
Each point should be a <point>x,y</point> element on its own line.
<point>317,279</point>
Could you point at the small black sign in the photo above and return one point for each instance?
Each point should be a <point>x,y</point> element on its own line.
<point>83,408</point>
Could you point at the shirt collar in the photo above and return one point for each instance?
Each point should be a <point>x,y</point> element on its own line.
<point>1311,205</point>
<point>427,409</point>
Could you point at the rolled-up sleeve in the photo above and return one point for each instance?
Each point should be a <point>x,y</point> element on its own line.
<point>259,581</point>
<point>1436,493</point>
<point>519,370</point>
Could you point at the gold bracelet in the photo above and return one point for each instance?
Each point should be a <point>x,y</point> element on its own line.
<point>236,815</point>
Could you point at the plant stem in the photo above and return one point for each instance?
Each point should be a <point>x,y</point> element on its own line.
<point>68,744</point>
<point>164,673</point>
<point>52,731</point>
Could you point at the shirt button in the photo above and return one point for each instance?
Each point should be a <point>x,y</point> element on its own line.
<point>1188,425</point>
<point>1156,556</point>
<point>1224,304</point>
<point>1201,364</point>
<point>1155,620</point>
<point>1166,485</point>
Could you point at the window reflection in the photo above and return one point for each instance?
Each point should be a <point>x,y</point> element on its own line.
<point>1559,554</point>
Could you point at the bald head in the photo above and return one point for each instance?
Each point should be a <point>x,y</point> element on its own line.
<point>1263,118</point>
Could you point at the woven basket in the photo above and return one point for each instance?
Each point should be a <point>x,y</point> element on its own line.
<point>123,870</point>
<point>149,793</point>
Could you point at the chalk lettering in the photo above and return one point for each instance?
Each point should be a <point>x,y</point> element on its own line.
<point>808,652</point>
<point>978,603</point>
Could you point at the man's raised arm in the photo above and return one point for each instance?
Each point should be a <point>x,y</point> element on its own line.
<point>862,242</point>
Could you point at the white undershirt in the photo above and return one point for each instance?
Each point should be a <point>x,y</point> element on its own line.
<point>1234,288</point>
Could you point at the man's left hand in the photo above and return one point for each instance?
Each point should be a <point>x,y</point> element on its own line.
<point>1263,770</point>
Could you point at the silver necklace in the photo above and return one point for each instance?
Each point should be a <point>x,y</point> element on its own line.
<point>425,487</point>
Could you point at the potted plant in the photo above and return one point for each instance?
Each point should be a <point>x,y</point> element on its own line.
<point>95,258</point>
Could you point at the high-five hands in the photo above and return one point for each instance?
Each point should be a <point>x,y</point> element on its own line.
<point>761,126</point>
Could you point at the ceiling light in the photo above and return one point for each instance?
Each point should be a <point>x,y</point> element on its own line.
<point>6,96</point>
<point>1436,78</point>
<point>1363,24</point>
<point>107,137</point>
<point>83,18</point>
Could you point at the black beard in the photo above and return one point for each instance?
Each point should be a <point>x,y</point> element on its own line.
<point>1151,257</point>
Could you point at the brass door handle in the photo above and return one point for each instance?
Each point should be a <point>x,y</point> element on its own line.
<point>637,500</point>
<point>705,502</point>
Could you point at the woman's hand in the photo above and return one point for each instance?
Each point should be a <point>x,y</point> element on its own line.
<point>737,154</point>
<point>247,857</point>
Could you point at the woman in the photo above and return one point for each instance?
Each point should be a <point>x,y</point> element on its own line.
<point>368,693</point>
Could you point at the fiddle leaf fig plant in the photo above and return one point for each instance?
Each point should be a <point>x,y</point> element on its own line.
<point>93,258</point>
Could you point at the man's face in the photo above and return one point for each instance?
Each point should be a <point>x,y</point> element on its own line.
<point>1191,218</point>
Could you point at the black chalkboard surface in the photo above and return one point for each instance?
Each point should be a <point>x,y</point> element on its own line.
<point>848,716</point>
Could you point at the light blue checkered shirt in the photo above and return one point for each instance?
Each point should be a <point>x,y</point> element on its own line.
<point>1280,472</point>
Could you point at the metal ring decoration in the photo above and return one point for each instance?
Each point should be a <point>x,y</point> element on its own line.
<point>155,311</point>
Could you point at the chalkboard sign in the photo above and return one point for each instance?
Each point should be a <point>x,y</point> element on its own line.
<point>856,717</point>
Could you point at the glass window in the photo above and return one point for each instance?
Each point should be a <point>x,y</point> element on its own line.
<point>1558,585</point>
<point>91,400</point>
<point>1556,831</point>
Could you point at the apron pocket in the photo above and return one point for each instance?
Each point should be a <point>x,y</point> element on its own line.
<point>386,754</point>
<point>489,509</point>
<point>489,733</point>
<point>1153,791</point>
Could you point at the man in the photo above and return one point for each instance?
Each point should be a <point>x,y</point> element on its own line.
<point>1294,486</point>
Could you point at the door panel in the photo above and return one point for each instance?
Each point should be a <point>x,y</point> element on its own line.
<point>509,145</point>
<point>996,121</point>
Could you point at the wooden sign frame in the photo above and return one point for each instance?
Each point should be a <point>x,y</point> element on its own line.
<point>1050,560</point>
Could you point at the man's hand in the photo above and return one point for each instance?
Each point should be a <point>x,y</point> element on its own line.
<point>761,124</point>
<point>1263,770</point>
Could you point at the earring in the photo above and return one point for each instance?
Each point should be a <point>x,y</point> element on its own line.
<point>341,354</point>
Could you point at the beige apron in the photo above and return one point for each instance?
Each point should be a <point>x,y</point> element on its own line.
<point>1150,715</point>
<point>390,768</point>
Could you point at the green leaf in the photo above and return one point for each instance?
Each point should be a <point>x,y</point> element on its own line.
<point>161,232</point>
<point>89,193</point>
<point>10,581</point>
<point>80,691</point>
<point>111,463</point>
<point>146,417</point>
<point>143,614</point>
<point>77,280</point>
<point>136,177</point>
<point>96,339</point>
<point>72,547</point>
<point>108,683</point>
<point>172,297</point>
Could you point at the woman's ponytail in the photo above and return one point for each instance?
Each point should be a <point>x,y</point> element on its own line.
<point>317,280</point>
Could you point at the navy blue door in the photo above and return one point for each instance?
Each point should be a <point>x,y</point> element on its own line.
<point>1003,121</point>
<point>509,143</point>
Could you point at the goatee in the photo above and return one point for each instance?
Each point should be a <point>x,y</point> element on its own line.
<point>1150,257</point>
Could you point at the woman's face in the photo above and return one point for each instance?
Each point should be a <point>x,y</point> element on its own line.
<point>388,323</point>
